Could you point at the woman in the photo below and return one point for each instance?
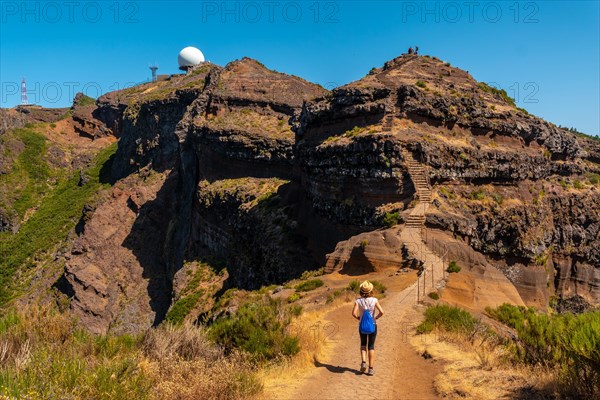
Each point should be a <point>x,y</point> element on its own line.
<point>367,302</point>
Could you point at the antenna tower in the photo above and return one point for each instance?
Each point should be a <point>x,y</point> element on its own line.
<point>153,68</point>
<point>24,100</point>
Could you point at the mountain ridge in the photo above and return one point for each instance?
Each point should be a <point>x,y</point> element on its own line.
<point>267,173</point>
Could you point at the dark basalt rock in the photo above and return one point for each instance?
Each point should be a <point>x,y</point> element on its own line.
<point>574,305</point>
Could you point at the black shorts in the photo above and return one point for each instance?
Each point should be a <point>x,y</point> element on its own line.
<point>370,339</point>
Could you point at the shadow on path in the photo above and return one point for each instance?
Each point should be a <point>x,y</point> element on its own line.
<point>335,369</point>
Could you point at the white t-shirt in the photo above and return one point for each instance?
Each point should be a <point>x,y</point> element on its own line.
<point>366,303</point>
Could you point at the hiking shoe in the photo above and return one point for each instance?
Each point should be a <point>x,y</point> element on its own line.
<point>363,367</point>
<point>371,372</point>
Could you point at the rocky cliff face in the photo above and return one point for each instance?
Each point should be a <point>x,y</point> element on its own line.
<point>265,173</point>
<point>518,185</point>
<point>219,144</point>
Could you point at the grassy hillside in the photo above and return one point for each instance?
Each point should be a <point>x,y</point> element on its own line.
<point>46,199</point>
<point>29,176</point>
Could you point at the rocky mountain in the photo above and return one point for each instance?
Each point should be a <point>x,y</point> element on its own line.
<point>240,176</point>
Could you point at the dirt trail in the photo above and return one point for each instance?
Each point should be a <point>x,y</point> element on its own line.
<point>400,373</point>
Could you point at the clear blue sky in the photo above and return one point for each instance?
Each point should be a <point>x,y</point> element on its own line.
<point>544,53</point>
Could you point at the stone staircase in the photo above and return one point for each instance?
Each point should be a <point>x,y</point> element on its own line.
<point>432,274</point>
<point>420,178</point>
<point>388,118</point>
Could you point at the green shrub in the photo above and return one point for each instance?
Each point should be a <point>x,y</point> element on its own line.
<point>203,270</point>
<point>478,194</point>
<point>354,286</point>
<point>182,308</point>
<point>333,296</point>
<point>497,92</point>
<point>296,310</point>
<point>348,134</point>
<point>434,296</point>
<point>567,342</point>
<point>293,297</point>
<point>453,267</point>
<point>378,287</point>
<point>386,160</point>
<point>541,259</point>
<point>85,101</point>
<point>421,84</point>
<point>309,285</point>
<point>447,318</point>
<point>510,315</point>
<point>583,135</point>
<point>259,329</point>
<point>391,219</point>
<point>498,198</point>
<point>311,274</point>
<point>353,132</point>
<point>547,154</point>
<point>577,184</point>
<point>594,179</point>
<point>267,289</point>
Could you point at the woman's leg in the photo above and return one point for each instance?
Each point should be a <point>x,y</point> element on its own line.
<point>372,338</point>
<point>363,347</point>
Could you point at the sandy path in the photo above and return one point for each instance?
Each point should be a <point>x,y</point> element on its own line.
<point>400,373</point>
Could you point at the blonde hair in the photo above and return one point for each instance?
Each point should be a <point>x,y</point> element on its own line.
<point>366,288</point>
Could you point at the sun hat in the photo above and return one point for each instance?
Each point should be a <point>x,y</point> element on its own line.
<point>366,287</point>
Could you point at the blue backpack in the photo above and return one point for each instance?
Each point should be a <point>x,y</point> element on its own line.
<point>367,323</point>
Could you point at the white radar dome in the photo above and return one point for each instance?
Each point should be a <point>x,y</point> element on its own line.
<point>189,57</point>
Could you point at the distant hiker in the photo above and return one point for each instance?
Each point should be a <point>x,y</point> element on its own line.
<point>410,50</point>
<point>364,311</point>
<point>416,49</point>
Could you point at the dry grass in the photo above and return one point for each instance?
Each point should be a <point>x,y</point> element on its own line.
<point>43,354</point>
<point>183,363</point>
<point>314,343</point>
<point>251,121</point>
<point>479,366</point>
